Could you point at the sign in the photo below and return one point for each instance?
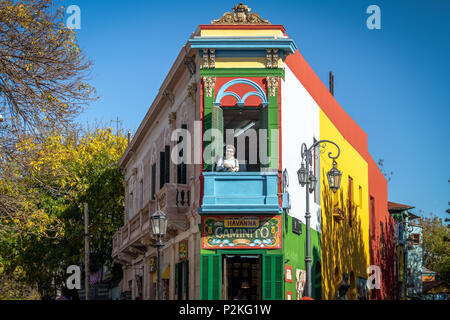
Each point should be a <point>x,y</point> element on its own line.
<point>239,232</point>
<point>288,273</point>
<point>182,250</point>
<point>300,277</point>
<point>152,264</point>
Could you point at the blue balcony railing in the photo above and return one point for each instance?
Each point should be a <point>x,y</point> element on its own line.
<point>240,193</point>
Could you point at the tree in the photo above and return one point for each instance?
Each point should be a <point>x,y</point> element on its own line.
<point>78,168</point>
<point>436,248</point>
<point>43,87</point>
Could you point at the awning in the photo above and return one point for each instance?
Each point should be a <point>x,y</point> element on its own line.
<point>165,274</point>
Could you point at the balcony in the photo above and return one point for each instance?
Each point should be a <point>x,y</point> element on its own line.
<point>133,238</point>
<point>240,192</point>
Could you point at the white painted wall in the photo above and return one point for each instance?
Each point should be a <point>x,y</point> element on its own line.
<point>299,124</point>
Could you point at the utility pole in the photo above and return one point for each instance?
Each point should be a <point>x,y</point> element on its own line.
<point>86,251</point>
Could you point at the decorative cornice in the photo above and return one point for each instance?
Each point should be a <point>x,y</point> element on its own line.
<point>190,64</point>
<point>209,83</point>
<point>272,85</point>
<point>192,90</point>
<point>242,72</point>
<point>169,95</point>
<point>240,15</point>
<point>208,58</point>
<point>172,119</point>
<point>202,43</point>
<point>271,58</point>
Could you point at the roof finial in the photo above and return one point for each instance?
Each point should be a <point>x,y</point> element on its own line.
<point>241,15</point>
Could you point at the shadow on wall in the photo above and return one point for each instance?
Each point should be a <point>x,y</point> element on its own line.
<point>343,246</point>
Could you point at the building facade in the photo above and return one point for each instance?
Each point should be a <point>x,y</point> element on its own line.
<point>409,250</point>
<point>248,100</point>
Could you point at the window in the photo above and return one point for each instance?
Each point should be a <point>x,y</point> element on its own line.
<point>372,214</point>
<point>246,123</point>
<point>350,201</point>
<point>360,198</point>
<point>181,168</point>
<point>141,194</point>
<point>182,280</point>
<point>164,167</point>
<point>382,243</point>
<point>130,205</point>
<point>153,181</point>
<point>415,237</point>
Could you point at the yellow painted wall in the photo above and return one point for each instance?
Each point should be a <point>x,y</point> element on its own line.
<point>241,33</point>
<point>345,248</point>
<point>244,62</point>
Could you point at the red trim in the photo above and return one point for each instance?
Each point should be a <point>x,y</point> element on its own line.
<point>288,295</point>
<point>286,268</point>
<point>343,122</point>
<point>243,27</point>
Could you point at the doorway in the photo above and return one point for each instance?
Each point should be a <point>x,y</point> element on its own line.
<point>242,277</point>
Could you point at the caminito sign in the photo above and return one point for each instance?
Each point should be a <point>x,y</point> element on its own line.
<point>241,232</point>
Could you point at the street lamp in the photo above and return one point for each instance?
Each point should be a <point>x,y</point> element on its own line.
<point>306,178</point>
<point>159,226</point>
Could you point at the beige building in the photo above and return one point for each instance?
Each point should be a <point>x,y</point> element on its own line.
<point>151,178</point>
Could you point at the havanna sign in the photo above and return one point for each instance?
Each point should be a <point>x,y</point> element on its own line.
<point>241,232</point>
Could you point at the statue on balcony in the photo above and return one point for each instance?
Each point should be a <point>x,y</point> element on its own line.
<point>230,163</point>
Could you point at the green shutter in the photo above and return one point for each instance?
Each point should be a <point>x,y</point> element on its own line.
<point>162,169</point>
<point>273,277</point>
<point>177,284</point>
<point>186,279</point>
<point>273,125</point>
<point>167,164</point>
<point>210,270</point>
<point>181,168</point>
<point>153,181</point>
<point>264,124</point>
<point>217,123</point>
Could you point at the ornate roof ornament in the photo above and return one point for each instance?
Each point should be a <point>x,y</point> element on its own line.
<point>241,15</point>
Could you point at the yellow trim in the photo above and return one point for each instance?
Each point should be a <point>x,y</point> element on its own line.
<point>244,62</point>
<point>243,33</point>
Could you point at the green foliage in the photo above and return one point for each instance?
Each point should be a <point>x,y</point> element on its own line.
<point>81,170</point>
<point>436,248</point>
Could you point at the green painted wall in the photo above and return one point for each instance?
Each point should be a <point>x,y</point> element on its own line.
<point>294,256</point>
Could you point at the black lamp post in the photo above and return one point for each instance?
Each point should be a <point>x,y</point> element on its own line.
<point>159,226</point>
<point>306,178</point>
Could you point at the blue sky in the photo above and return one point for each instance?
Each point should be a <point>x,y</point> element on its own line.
<point>393,82</point>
